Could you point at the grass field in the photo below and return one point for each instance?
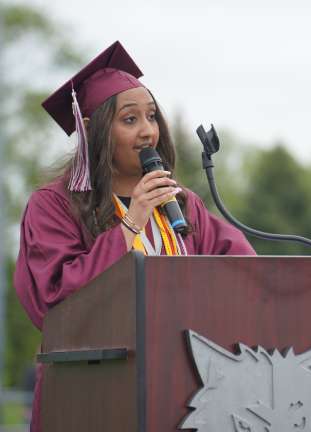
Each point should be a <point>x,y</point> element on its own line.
<point>14,414</point>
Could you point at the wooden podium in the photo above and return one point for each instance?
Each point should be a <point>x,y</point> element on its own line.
<point>115,354</point>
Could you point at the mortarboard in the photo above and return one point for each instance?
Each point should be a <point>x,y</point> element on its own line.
<point>110,73</point>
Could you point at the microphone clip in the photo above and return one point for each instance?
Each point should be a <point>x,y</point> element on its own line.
<point>209,140</point>
<point>210,143</point>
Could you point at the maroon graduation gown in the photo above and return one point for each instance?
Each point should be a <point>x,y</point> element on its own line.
<point>57,256</point>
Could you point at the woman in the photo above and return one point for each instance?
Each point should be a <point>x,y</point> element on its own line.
<point>102,207</point>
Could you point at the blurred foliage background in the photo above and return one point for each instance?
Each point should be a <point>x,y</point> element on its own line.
<point>266,189</point>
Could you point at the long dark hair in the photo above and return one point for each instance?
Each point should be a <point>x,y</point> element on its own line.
<point>95,208</point>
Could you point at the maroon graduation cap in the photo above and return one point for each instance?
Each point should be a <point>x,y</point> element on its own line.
<point>110,73</point>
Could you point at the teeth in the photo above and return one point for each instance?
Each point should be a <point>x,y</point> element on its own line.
<point>143,146</point>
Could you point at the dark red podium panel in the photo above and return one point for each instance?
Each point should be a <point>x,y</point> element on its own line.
<point>143,305</point>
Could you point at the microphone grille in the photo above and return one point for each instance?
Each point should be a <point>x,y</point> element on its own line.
<point>149,156</point>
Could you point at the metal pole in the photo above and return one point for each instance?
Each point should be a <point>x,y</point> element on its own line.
<point>2,234</point>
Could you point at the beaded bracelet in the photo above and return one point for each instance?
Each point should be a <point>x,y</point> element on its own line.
<point>129,223</point>
<point>129,227</point>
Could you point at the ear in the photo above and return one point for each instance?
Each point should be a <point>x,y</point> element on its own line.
<point>305,359</point>
<point>86,122</point>
<point>205,352</point>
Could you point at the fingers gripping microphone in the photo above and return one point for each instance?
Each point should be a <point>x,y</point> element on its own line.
<point>151,161</point>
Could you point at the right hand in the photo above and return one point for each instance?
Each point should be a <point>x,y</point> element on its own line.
<point>152,190</point>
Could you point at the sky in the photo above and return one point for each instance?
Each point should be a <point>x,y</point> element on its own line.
<point>242,65</point>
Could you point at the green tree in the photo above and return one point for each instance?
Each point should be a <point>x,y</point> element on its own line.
<point>28,138</point>
<point>188,163</point>
<point>265,189</point>
<point>278,200</point>
<point>229,166</point>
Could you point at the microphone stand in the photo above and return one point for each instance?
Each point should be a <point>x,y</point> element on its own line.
<point>211,145</point>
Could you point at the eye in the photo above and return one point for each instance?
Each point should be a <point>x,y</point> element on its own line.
<point>152,116</point>
<point>129,119</point>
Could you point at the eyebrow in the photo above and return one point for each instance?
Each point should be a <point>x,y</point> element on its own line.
<point>128,105</point>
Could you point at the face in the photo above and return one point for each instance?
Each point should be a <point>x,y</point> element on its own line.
<point>134,126</point>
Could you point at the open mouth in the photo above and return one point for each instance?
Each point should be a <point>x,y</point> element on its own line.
<point>143,146</point>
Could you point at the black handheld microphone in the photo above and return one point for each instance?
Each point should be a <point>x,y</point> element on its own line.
<point>151,161</point>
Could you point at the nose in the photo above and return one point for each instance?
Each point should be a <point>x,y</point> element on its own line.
<point>147,129</point>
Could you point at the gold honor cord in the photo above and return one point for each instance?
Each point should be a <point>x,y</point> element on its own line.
<point>167,233</point>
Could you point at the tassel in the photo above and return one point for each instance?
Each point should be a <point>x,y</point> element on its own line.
<point>182,244</point>
<point>80,174</point>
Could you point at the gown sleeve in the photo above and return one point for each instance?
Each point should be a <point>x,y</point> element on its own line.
<point>54,260</point>
<point>212,235</point>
